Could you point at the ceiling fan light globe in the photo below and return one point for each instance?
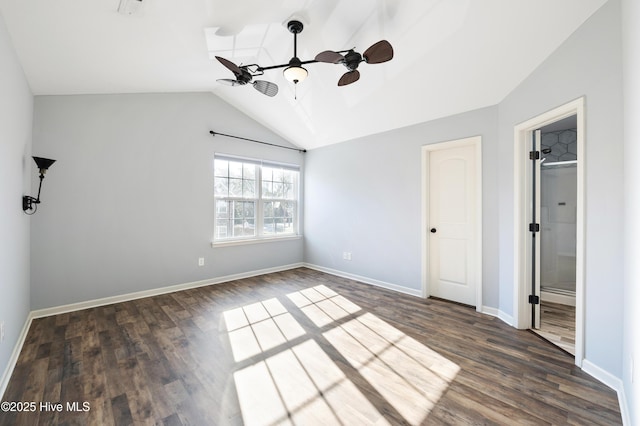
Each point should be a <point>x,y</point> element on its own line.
<point>295,74</point>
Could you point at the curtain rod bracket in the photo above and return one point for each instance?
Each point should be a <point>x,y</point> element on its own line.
<point>253,140</point>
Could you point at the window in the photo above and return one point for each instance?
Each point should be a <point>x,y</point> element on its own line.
<point>254,199</point>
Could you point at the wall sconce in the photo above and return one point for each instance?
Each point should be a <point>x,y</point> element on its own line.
<point>30,204</point>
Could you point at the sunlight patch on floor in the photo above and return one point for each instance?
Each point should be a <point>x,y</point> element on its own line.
<point>301,385</point>
<point>258,327</point>
<point>323,305</point>
<point>410,376</point>
<point>298,382</point>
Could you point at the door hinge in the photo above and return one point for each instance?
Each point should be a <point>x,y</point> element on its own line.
<point>534,227</point>
<point>534,155</point>
<point>533,299</point>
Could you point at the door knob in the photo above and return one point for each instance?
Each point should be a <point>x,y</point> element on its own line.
<point>433,230</point>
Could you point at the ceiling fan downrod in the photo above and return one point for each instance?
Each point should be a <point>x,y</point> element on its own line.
<point>295,28</point>
<point>295,72</point>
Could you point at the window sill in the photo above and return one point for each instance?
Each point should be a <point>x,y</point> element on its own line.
<point>215,244</point>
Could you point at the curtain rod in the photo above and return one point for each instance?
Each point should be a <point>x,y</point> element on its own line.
<point>253,140</point>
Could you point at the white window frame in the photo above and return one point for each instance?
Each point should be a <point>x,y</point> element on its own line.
<point>260,201</point>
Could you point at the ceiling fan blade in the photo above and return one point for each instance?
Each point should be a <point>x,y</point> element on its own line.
<point>380,52</point>
<point>229,82</point>
<point>329,56</point>
<point>230,65</point>
<point>266,87</point>
<point>349,77</point>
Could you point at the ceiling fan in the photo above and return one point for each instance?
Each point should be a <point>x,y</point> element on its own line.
<point>294,72</point>
<point>244,76</point>
<point>378,53</point>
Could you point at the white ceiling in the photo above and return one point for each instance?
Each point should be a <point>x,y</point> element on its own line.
<point>451,56</point>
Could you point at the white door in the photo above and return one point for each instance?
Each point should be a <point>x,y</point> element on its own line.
<point>452,224</point>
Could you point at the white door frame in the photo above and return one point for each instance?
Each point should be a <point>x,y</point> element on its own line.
<point>522,202</point>
<point>476,142</point>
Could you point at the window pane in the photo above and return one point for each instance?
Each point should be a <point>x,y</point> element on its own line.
<point>287,191</point>
<point>235,169</point>
<point>289,220</point>
<point>249,171</point>
<point>268,224</point>
<point>244,218</point>
<point>249,210</point>
<point>279,183</point>
<point>222,229</point>
<point>235,187</point>
<point>268,209</point>
<point>221,187</point>
<point>267,189</point>
<point>250,177</point>
<point>279,218</point>
<point>238,227</point>
<point>221,168</point>
<point>277,190</point>
<point>249,188</point>
<point>222,209</point>
<point>268,228</point>
<point>267,174</point>
<point>238,210</point>
<point>277,175</point>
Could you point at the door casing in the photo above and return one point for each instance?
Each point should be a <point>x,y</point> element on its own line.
<point>522,199</point>
<point>476,142</point>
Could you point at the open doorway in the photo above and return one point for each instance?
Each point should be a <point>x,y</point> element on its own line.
<point>557,237</point>
<point>549,223</point>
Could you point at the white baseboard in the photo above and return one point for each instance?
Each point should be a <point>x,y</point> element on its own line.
<point>56,310</point>
<point>614,383</point>
<point>412,292</point>
<point>495,312</point>
<point>366,280</point>
<point>14,356</point>
<point>507,318</point>
<point>563,299</point>
<point>488,310</point>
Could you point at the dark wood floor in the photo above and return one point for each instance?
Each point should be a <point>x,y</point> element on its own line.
<point>558,325</point>
<point>297,347</point>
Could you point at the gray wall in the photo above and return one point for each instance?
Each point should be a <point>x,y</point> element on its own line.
<point>587,64</point>
<point>631,72</point>
<point>364,196</point>
<point>16,168</point>
<point>129,204</point>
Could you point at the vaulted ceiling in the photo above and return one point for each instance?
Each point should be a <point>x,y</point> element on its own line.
<point>451,56</point>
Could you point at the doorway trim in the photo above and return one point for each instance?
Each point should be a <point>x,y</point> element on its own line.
<point>522,196</point>
<point>476,142</point>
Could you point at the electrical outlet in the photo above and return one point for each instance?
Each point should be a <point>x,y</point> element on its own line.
<point>1,331</point>
<point>346,255</point>
<point>201,261</point>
